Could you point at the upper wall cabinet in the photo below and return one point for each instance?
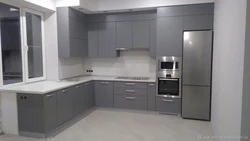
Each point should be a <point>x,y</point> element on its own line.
<point>153,42</point>
<point>107,39</point>
<point>169,36</point>
<point>141,33</point>
<point>72,33</point>
<point>102,40</point>
<point>198,22</point>
<point>124,34</point>
<point>173,20</point>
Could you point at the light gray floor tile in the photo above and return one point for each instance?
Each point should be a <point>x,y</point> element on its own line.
<point>120,125</point>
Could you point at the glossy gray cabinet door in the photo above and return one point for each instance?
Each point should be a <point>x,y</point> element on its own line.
<point>169,36</point>
<point>65,99</point>
<point>196,102</point>
<point>124,34</point>
<point>141,34</point>
<point>198,22</point>
<point>37,113</point>
<point>130,102</point>
<point>151,96</point>
<point>153,36</point>
<point>79,92</point>
<point>168,105</point>
<point>30,113</point>
<point>107,39</point>
<point>104,94</point>
<point>50,108</point>
<point>91,93</point>
<point>93,44</point>
<point>197,58</point>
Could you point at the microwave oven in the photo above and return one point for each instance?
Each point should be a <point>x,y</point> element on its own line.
<point>169,63</point>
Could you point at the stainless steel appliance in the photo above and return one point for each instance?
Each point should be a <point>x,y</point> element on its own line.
<point>197,62</point>
<point>169,76</point>
<point>168,63</point>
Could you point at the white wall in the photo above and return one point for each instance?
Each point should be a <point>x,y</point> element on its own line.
<point>229,37</point>
<point>70,68</point>
<point>61,3</point>
<point>49,4</point>
<point>130,63</point>
<point>51,45</point>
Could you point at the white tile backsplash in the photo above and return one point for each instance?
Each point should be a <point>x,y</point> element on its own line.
<point>71,67</point>
<point>130,63</point>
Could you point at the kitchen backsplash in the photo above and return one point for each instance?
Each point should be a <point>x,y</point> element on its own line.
<point>130,63</point>
<point>70,68</point>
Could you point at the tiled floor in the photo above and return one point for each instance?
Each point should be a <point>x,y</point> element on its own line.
<point>116,125</point>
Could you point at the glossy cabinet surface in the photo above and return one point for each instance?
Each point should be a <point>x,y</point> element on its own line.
<point>104,94</point>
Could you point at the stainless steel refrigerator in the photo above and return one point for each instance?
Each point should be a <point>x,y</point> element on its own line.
<point>197,64</point>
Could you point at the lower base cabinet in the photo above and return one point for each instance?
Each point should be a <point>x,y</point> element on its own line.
<point>40,115</point>
<point>104,94</point>
<point>130,102</point>
<point>37,113</point>
<point>168,105</point>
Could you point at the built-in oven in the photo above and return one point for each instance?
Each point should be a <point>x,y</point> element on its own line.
<point>169,87</point>
<point>168,63</point>
<point>169,76</point>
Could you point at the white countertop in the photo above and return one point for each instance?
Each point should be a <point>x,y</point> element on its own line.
<point>44,87</point>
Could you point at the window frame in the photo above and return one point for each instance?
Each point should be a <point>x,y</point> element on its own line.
<point>25,46</point>
<point>24,51</point>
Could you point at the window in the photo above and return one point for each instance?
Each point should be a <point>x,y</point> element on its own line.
<point>22,56</point>
<point>11,53</point>
<point>33,36</point>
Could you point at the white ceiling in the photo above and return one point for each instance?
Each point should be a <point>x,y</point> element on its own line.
<point>98,6</point>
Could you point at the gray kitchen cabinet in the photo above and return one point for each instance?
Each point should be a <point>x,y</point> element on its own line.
<point>134,91</point>
<point>65,105</point>
<point>91,94</point>
<point>197,102</point>
<point>130,102</point>
<point>124,34</point>
<point>141,34</point>
<point>151,96</point>
<point>72,33</point>
<point>37,113</point>
<point>104,94</point>
<point>107,39</point>
<point>153,38</point>
<point>168,105</point>
<point>93,45</point>
<point>131,85</point>
<point>169,36</point>
<point>198,22</point>
<point>79,93</point>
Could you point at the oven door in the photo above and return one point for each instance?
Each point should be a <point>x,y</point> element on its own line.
<point>168,87</point>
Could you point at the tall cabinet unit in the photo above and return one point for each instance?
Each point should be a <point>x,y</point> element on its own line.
<point>72,33</point>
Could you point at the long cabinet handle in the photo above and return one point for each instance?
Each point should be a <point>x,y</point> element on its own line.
<point>169,79</point>
<point>130,98</point>
<point>50,95</point>
<point>78,86</point>
<point>86,84</point>
<point>165,100</point>
<point>64,91</point>
<point>130,91</point>
<point>104,82</point>
<point>151,84</point>
<point>130,84</point>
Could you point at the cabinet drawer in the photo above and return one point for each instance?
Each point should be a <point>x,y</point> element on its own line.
<point>168,105</point>
<point>30,100</point>
<point>131,85</point>
<point>132,91</point>
<point>130,102</point>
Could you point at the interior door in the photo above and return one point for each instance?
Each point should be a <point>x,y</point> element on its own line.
<point>33,39</point>
<point>197,53</point>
